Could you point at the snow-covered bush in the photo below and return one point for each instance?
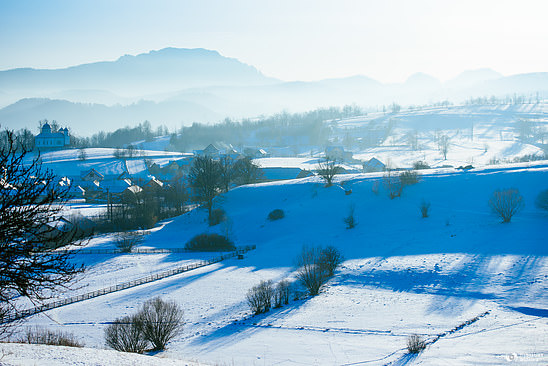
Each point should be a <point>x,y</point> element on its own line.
<point>415,344</point>
<point>53,338</point>
<point>506,203</point>
<point>542,200</point>
<point>281,294</point>
<point>259,297</point>
<point>276,214</point>
<point>210,243</point>
<point>424,207</point>
<point>160,321</point>
<point>125,335</point>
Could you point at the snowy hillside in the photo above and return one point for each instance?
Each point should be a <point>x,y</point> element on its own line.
<point>402,274</point>
<point>478,134</point>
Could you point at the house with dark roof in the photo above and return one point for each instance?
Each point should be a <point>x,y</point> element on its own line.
<point>47,139</point>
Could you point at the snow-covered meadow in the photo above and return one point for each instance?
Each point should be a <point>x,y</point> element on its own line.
<point>402,274</point>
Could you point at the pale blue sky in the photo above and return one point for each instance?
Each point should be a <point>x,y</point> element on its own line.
<point>290,40</point>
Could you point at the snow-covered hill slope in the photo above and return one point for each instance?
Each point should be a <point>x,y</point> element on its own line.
<point>478,134</point>
<point>403,274</point>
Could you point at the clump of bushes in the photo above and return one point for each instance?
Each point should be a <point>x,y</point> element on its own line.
<point>210,243</point>
<point>394,183</point>
<point>415,344</point>
<point>217,216</point>
<point>281,293</point>
<point>53,338</point>
<point>259,297</point>
<point>506,203</point>
<point>315,266</point>
<point>409,177</point>
<point>276,214</point>
<point>157,322</point>
<point>418,165</point>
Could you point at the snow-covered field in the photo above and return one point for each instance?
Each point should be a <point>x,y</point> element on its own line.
<point>402,274</point>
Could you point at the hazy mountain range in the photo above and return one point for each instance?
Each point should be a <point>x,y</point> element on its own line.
<point>179,86</point>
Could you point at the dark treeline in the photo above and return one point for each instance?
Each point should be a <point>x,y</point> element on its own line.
<point>121,137</point>
<point>277,130</point>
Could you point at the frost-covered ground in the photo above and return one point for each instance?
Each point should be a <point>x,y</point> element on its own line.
<point>402,274</point>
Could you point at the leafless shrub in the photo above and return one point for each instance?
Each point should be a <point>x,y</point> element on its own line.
<point>160,321</point>
<point>415,344</point>
<point>126,241</point>
<point>506,203</point>
<point>260,297</point>
<point>350,220</point>
<point>330,258</point>
<point>392,184</point>
<point>315,266</point>
<point>409,178</point>
<point>125,335</point>
<point>53,338</point>
<point>424,207</point>
<point>281,294</point>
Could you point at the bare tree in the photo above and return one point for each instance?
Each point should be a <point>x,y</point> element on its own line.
<point>246,171</point>
<point>205,178</point>
<point>31,203</point>
<point>160,321</point>
<point>327,169</point>
<point>227,172</point>
<point>443,145</point>
<point>506,203</point>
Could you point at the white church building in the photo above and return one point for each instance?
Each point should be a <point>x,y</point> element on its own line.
<point>52,140</point>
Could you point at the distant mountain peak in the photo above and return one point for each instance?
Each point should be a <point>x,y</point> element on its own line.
<point>471,77</point>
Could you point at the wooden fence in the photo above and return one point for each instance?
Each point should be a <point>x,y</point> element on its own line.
<point>122,286</point>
